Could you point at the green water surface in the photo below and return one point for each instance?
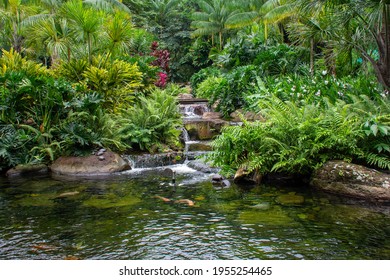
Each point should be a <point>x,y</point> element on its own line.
<point>124,217</point>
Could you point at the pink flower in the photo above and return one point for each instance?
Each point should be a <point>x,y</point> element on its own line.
<point>162,81</point>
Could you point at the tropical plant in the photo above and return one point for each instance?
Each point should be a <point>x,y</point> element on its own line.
<point>152,124</point>
<point>230,89</point>
<point>360,25</point>
<point>13,61</point>
<point>217,17</point>
<point>86,20</point>
<point>298,139</point>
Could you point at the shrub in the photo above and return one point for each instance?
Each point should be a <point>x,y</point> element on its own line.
<point>298,138</point>
<point>152,122</point>
<point>202,75</point>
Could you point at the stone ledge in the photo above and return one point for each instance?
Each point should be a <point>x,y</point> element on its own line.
<point>104,164</point>
<point>352,180</point>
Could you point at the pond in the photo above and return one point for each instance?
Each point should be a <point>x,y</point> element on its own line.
<point>140,214</point>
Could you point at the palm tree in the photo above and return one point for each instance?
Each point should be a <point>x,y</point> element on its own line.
<point>86,21</point>
<point>12,13</point>
<point>55,34</point>
<point>370,29</point>
<point>217,17</point>
<point>159,14</point>
<point>118,33</point>
<point>279,12</point>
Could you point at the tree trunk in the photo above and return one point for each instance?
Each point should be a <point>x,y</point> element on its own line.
<point>68,54</point>
<point>220,40</point>
<point>386,59</point>
<point>89,48</point>
<point>312,56</point>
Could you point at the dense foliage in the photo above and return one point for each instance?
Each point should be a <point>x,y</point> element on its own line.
<point>299,137</point>
<point>76,75</point>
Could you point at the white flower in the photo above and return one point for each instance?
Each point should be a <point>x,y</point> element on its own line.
<point>318,93</point>
<point>326,82</point>
<point>324,72</point>
<point>340,93</point>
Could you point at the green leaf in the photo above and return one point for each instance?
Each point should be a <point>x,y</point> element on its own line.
<point>374,129</point>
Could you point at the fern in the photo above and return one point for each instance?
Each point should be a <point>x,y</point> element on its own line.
<point>382,161</point>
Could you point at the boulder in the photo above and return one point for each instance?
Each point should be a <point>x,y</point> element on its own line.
<point>352,180</point>
<point>90,165</point>
<point>249,116</point>
<point>27,169</point>
<point>243,177</point>
<point>204,129</point>
<point>212,116</point>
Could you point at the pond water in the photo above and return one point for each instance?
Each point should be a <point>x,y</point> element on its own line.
<point>128,216</point>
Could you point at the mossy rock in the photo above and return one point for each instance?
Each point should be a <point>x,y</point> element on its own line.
<point>290,199</point>
<point>36,200</point>
<point>110,201</point>
<point>27,169</point>
<point>273,217</point>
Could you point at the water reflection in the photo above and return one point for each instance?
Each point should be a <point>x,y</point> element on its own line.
<point>119,217</point>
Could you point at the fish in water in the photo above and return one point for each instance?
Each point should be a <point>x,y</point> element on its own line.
<point>66,194</point>
<point>163,198</point>
<point>185,201</point>
<point>182,201</point>
<point>43,247</point>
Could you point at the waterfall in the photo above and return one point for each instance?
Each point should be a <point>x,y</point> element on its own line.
<point>186,139</point>
<point>193,111</point>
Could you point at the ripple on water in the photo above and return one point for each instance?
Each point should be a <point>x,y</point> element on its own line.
<point>222,225</point>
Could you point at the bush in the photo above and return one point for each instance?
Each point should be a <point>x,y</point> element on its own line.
<point>298,138</point>
<point>229,90</point>
<point>202,75</point>
<point>152,124</point>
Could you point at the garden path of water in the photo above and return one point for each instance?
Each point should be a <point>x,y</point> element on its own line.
<point>124,217</point>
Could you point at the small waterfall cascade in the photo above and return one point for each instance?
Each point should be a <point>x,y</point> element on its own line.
<point>186,139</point>
<point>193,108</point>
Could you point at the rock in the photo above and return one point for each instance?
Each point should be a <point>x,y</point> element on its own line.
<point>249,116</point>
<point>90,165</point>
<point>352,180</point>
<point>225,183</point>
<point>202,146</point>
<point>290,199</point>
<point>243,177</point>
<point>204,129</point>
<point>185,96</point>
<point>27,169</point>
<point>212,115</point>
<point>201,166</point>
<point>101,158</point>
<point>216,179</point>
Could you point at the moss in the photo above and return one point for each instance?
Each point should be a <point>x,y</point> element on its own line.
<point>36,200</point>
<point>290,199</point>
<point>110,201</point>
<point>274,217</point>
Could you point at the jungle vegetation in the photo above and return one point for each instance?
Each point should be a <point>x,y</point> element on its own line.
<point>77,75</point>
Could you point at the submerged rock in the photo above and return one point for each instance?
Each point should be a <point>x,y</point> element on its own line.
<point>352,180</point>
<point>202,166</point>
<point>27,169</point>
<point>90,165</point>
<point>290,199</point>
<point>243,177</point>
